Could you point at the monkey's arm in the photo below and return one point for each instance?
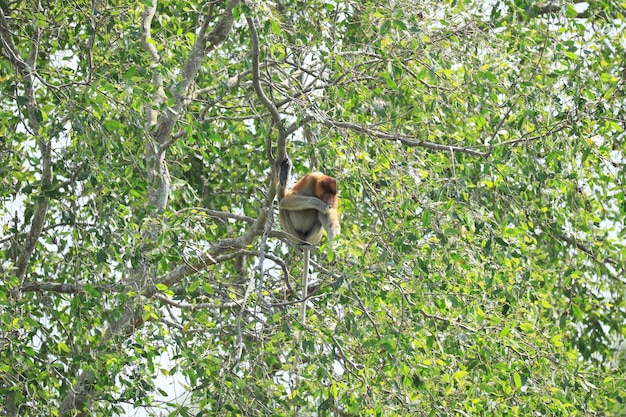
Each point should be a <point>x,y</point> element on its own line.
<point>330,222</point>
<point>297,202</point>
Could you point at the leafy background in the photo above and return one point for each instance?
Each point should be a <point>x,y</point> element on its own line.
<point>479,149</point>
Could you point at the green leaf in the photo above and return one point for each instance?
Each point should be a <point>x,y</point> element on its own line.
<point>193,286</point>
<point>607,78</point>
<point>459,375</point>
<point>388,342</point>
<point>63,348</point>
<point>275,26</point>
<point>208,288</point>
<point>423,265</point>
<point>489,76</point>
<point>527,327</point>
<point>570,10</point>
<point>390,83</point>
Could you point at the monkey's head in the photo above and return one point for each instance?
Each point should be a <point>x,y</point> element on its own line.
<point>325,188</point>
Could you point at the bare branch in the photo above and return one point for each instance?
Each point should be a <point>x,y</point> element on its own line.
<point>225,250</point>
<point>65,288</point>
<point>192,66</point>
<point>594,257</point>
<point>298,124</point>
<point>8,49</point>
<point>220,214</point>
<point>405,140</point>
<point>594,9</point>
<point>39,217</point>
<point>447,320</point>
<point>535,10</point>
<point>146,23</point>
<point>281,142</point>
<point>157,79</point>
<point>256,76</point>
<point>200,306</point>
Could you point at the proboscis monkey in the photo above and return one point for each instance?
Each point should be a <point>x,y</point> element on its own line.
<point>308,207</point>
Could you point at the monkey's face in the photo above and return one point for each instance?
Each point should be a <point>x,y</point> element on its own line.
<point>327,190</point>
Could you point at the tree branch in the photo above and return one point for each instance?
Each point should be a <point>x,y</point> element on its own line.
<point>8,49</point>
<point>601,262</point>
<point>256,76</point>
<point>221,214</point>
<point>192,66</point>
<point>81,396</point>
<point>32,110</point>
<point>61,288</point>
<point>405,140</point>
<point>200,306</point>
<point>281,142</point>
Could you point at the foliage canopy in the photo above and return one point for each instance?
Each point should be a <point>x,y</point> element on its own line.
<point>480,152</point>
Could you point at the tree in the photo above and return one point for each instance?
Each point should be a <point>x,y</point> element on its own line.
<point>480,154</point>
